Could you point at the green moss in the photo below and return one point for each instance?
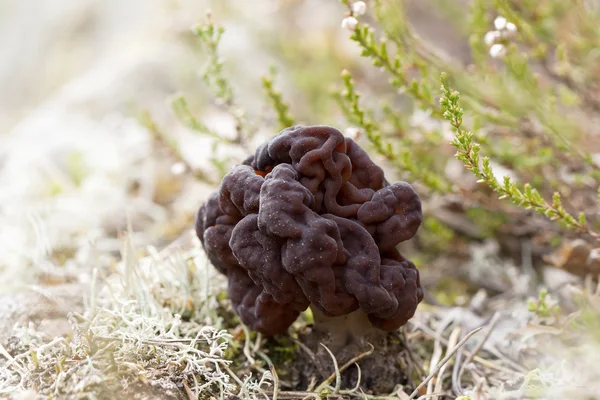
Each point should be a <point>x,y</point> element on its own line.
<point>281,351</point>
<point>450,291</point>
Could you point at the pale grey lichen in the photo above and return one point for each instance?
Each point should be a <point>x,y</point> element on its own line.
<point>132,334</point>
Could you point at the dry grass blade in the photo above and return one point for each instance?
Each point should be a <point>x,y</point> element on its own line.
<point>11,360</point>
<point>451,345</point>
<point>429,395</point>
<point>337,372</point>
<point>246,349</point>
<point>234,376</point>
<point>444,360</point>
<point>188,391</point>
<point>312,356</point>
<point>456,378</point>
<point>435,359</point>
<point>357,386</point>
<point>476,358</point>
<point>275,382</point>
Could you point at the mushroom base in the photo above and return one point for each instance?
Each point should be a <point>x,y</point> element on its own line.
<point>347,337</point>
<point>345,330</point>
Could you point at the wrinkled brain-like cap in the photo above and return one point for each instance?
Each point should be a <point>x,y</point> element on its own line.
<point>311,220</point>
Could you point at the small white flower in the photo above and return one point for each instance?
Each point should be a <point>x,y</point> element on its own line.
<point>359,8</point>
<point>491,37</point>
<point>497,51</point>
<point>500,23</point>
<point>350,23</point>
<point>178,168</point>
<point>511,30</point>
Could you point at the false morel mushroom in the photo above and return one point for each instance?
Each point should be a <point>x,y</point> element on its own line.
<point>309,220</point>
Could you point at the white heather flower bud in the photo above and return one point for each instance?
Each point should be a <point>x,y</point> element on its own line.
<point>178,168</point>
<point>359,8</point>
<point>500,23</point>
<point>511,30</point>
<point>491,37</point>
<point>350,23</point>
<point>498,51</point>
<point>352,133</point>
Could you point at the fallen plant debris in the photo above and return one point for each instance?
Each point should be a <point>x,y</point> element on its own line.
<point>133,338</point>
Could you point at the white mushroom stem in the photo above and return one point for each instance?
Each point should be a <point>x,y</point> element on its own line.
<point>345,329</point>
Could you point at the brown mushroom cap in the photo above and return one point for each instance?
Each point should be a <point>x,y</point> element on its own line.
<point>311,220</point>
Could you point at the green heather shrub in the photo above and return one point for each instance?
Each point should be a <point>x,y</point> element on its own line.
<point>529,96</point>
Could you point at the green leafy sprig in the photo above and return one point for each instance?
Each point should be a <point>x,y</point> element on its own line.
<point>282,109</point>
<point>349,101</point>
<point>210,36</point>
<point>526,197</point>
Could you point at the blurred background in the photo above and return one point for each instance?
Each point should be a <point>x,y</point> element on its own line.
<point>75,159</point>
